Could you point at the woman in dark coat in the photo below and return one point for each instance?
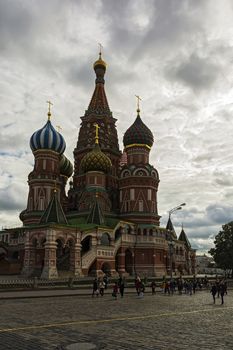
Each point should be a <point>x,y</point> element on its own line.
<point>213,291</point>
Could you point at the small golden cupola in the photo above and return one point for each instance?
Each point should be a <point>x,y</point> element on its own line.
<point>96,160</point>
<point>100,63</point>
<point>100,68</point>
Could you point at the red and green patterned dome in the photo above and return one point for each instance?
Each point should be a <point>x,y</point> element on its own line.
<point>138,134</point>
<point>96,160</point>
<point>66,167</point>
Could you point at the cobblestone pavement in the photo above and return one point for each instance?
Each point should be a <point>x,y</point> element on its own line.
<point>152,322</point>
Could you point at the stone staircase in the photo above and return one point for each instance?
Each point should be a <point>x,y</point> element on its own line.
<point>88,258</point>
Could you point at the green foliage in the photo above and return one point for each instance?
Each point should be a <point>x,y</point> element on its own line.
<point>223,251</point>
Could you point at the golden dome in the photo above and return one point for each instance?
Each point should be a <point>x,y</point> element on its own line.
<point>100,62</point>
<point>96,160</point>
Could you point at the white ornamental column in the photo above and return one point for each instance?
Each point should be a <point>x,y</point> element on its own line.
<point>50,268</point>
<point>76,260</point>
<point>29,257</point>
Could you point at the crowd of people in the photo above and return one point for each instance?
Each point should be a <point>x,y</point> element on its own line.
<point>169,286</point>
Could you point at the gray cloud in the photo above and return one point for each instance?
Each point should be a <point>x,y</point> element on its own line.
<point>195,72</point>
<point>11,200</point>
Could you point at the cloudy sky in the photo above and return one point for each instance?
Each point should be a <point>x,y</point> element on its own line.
<point>176,54</point>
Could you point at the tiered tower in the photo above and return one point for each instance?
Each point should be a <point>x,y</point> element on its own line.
<point>138,183</point>
<point>51,170</point>
<point>98,112</point>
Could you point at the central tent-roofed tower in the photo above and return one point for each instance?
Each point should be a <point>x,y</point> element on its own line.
<point>98,112</point>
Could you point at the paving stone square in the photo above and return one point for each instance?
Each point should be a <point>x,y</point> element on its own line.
<point>83,323</point>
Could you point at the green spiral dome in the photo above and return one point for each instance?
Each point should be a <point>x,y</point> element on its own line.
<point>66,167</point>
<point>96,160</point>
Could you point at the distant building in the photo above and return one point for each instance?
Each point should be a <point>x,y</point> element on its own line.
<point>206,265</point>
<point>108,222</point>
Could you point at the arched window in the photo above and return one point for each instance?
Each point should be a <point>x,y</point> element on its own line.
<point>105,239</point>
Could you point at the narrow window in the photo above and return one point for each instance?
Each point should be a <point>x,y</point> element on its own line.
<point>132,194</point>
<point>149,194</point>
<point>140,205</point>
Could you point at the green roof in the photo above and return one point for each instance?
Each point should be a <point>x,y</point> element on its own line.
<point>54,212</point>
<point>96,215</point>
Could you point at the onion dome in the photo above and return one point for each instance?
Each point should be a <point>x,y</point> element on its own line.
<point>47,138</point>
<point>66,167</point>
<point>100,63</point>
<point>138,134</point>
<point>96,160</point>
<point>100,68</point>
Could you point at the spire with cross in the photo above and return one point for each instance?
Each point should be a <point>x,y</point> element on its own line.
<point>138,103</point>
<point>49,111</point>
<point>100,50</point>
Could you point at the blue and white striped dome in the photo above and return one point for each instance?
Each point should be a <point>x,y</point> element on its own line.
<point>47,138</point>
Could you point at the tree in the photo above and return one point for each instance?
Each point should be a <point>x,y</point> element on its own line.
<point>223,251</point>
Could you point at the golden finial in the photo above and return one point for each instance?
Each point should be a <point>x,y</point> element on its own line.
<point>96,133</point>
<point>58,128</point>
<point>49,111</point>
<point>138,106</point>
<point>100,52</point>
<point>100,62</point>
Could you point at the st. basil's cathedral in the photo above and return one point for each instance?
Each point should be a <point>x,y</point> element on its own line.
<point>108,221</point>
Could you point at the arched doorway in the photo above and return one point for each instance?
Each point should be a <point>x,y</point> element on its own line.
<point>129,261</point>
<point>63,255</point>
<point>3,253</point>
<point>86,244</point>
<point>118,233</point>
<point>105,239</point>
<point>106,268</point>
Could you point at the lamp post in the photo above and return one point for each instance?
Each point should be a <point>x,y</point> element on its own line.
<point>171,243</point>
<point>179,207</point>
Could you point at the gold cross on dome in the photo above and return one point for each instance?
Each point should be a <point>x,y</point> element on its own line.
<point>138,99</point>
<point>49,112</point>
<point>96,133</point>
<point>101,47</point>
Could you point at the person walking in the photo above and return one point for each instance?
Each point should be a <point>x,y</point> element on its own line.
<point>122,286</point>
<point>172,286</point>
<point>222,292</point>
<point>218,287</point>
<point>225,284</point>
<point>137,284</point>
<point>213,291</point>
<point>95,290</point>
<point>105,280</point>
<point>153,286</point>
<point>115,291</point>
<point>101,288</point>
